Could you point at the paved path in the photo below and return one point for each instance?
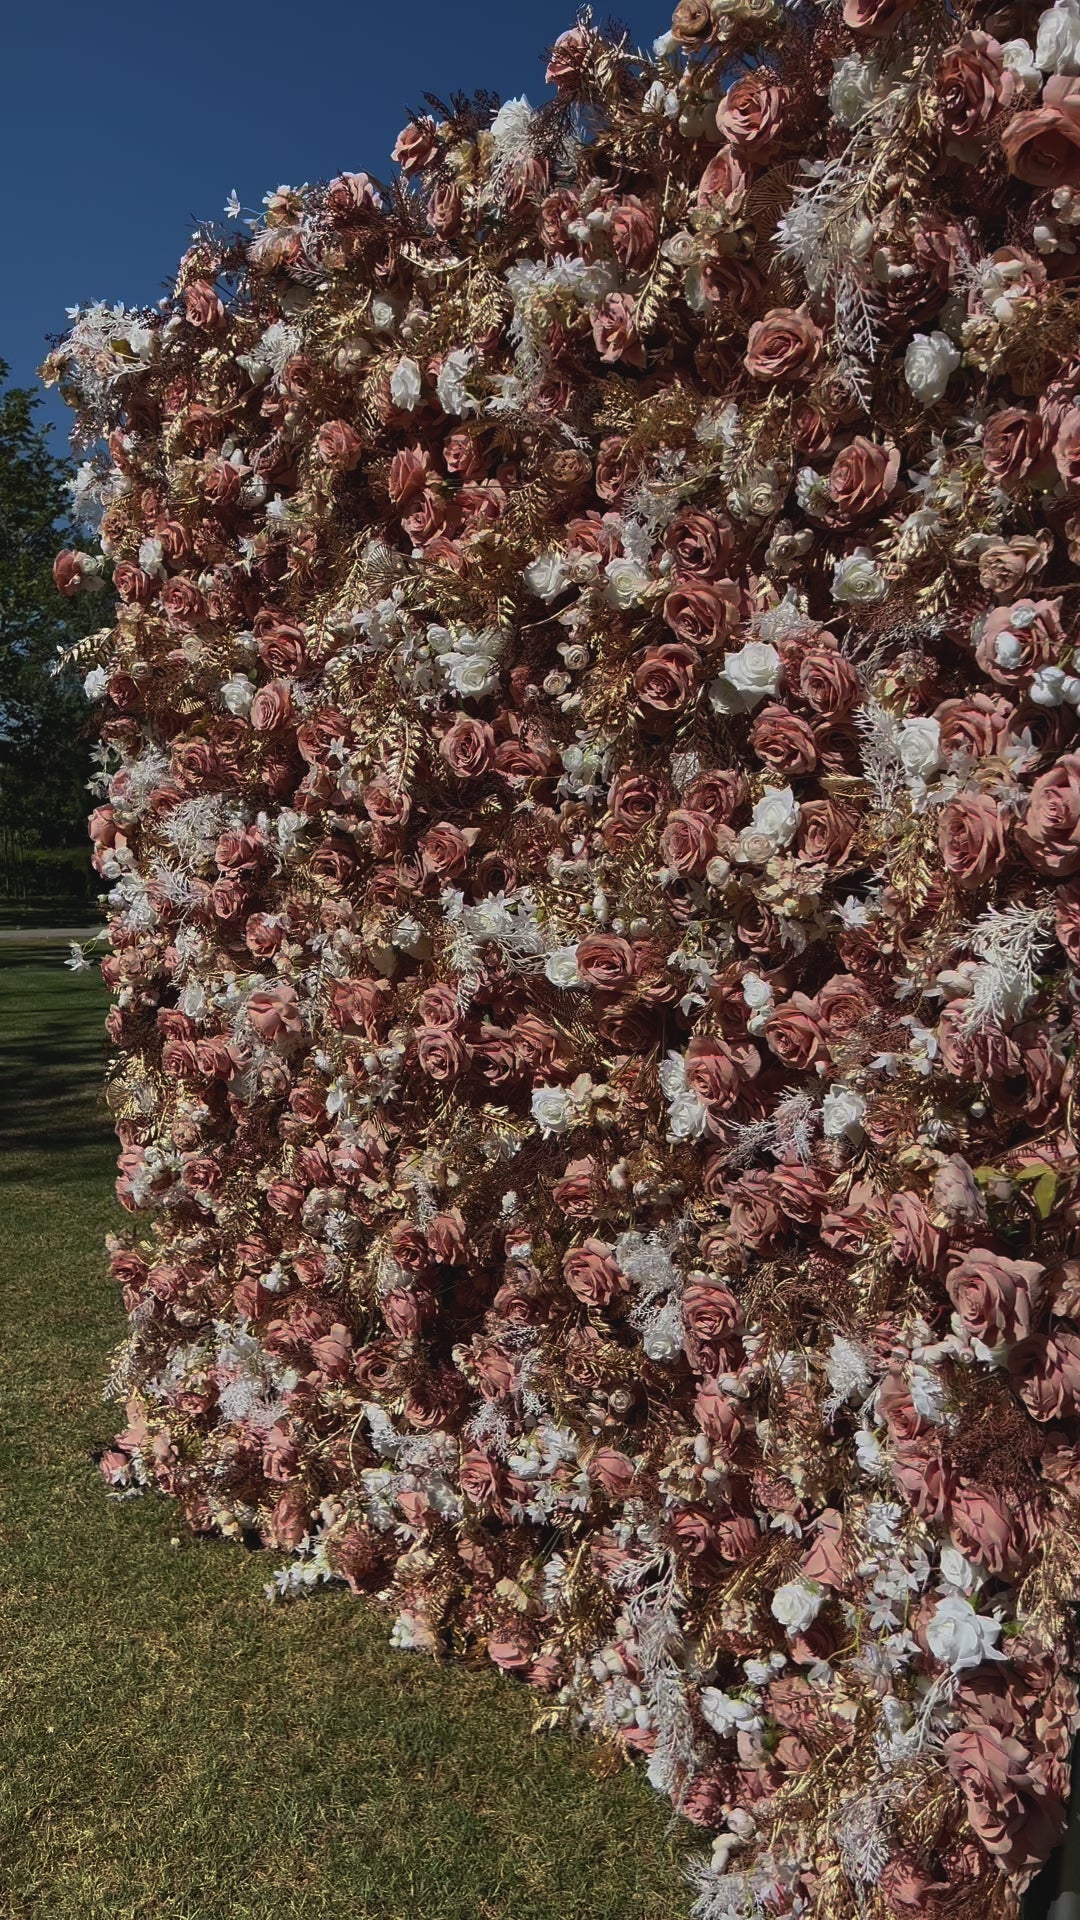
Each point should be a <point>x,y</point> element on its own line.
<point>45,936</point>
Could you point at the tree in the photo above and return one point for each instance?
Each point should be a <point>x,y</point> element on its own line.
<point>44,748</point>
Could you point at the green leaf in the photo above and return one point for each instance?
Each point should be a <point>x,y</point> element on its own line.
<point>1046,1194</point>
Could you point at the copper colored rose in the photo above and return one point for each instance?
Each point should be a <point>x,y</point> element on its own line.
<point>1042,146</point>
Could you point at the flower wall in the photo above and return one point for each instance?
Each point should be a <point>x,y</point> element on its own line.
<point>590,803</point>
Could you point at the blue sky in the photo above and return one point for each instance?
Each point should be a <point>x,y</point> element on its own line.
<point>122,128</point>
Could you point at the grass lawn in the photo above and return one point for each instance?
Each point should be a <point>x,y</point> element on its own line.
<point>172,1747</point>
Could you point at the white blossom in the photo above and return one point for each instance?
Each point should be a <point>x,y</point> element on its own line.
<point>797,1605</point>
<point>1057,42</point>
<point>405,385</point>
<point>856,580</point>
<point>842,1113</point>
<point>928,363</point>
<point>960,1637</point>
<point>749,676</point>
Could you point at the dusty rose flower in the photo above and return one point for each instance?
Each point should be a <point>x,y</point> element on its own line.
<point>784,741</point>
<point>972,82</point>
<point>272,707</point>
<point>701,614</point>
<point>416,146</point>
<point>1014,444</point>
<point>700,544</point>
<point>1042,146</point>
<point>862,478</point>
<point>972,838</point>
<point>1049,834</point>
<point>468,747</point>
<point>614,330</point>
<point>688,842</point>
<point>664,680</point>
<point>632,231</point>
<point>607,962</point>
<point>592,1274</point>
<point>724,181</point>
<point>915,1241</point>
<point>612,1472</point>
<point>1010,648</point>
<point>784,346</point>
<point>567,58</point>
<point>713,1070</point>
<point>794,1032</point>
<point>994,1296</point>
<point>441,1052</point>
<point>827,682</point>
<point>751,116</point>
<point>875,18</point>
<point>1015,1822</point>
<point>826,832</point>
<point>339,446</point>
<point>984,1529</point>
<point>573,1191</point>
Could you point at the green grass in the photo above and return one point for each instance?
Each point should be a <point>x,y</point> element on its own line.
<point>172,1748</point>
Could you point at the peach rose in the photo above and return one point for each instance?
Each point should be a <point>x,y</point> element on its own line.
<point>995,1297</point>
<point>783,346</point>
<point>612,1472</point>
<point>468,747</point>
<point>784,741</point>
<point>416,146</point>
<point>688,842</point>
<point>1016,641</point>
<point>996,1775</point>
<point>827,682</point>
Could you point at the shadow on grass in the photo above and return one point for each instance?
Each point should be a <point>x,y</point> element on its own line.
<point>52,1065</point>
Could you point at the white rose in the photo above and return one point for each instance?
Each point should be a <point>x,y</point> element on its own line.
<point>1008,651</point>
<point>959,1571</point>
<point>237,694</point>
<point>688,1116</point>
<point>868,1451</point>
<point>855,87</point>
<point>725,1713</point>
<point>548,575</point>
<point>756,992</point>
<point>842,1113</point>
<point>928,363</point>
<point>796,1606</point>
<point>383,314</point>
<point>405,384</point>
<point>470,675</point>
<point>454,397</point>
<point>857,580</point>
<point>1047,689</point>
<point>1018,58</point>
<point>95,683</point>
<point>626,583</point>
<point>920,747</point>
<point>959,1637</point>
<point>561,968</point>
<point>749,676</point>
<point>1057,43</point>
<point>777,816</point>
<point>552,1109</point>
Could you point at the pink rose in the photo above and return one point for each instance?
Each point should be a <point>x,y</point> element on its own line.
<point>1014,444</point>
<point>1042,146</point>
<point>971,835</point>
<point>784,346</point>
<point>612,1472</point>
<point>751,116</point>
<point>275,1012</point>
<point>339,446</point>
<point>995,1296</point>
<point>984,1530</point>
<point>702,613</point>
<point>1049,835</point>
<point>862,477</point>
<point>593,1275</point>
<point>615,334</point>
